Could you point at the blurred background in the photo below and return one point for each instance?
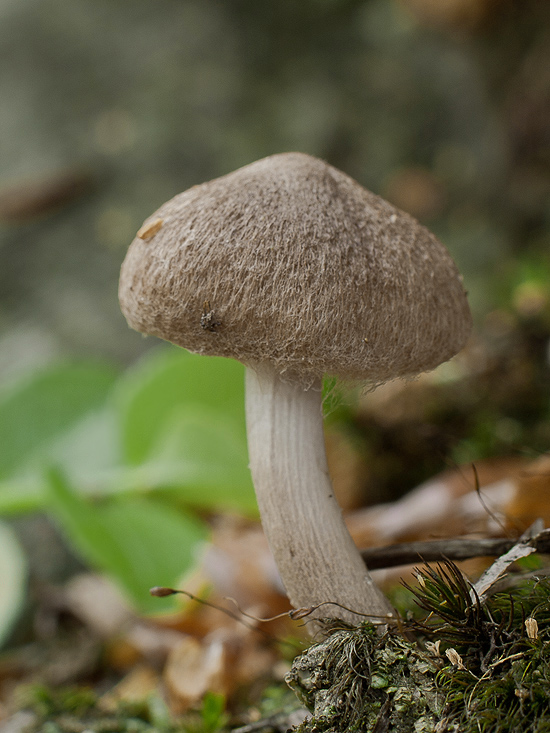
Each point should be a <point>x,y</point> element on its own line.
<point>108,109</point>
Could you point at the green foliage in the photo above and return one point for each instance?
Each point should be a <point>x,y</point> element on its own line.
<point>167,381</point>
<point>70,709</point>
<point>13,579</point>
<point>139,542</point>
<point>213,715</point>
<point>132,457</point>
<point>176,421</point>
<point>35,414</point>
<point>47,702</point>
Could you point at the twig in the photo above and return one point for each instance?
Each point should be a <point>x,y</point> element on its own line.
<point>410,553</point>
<point>482,501</point>
<point>277,722</point>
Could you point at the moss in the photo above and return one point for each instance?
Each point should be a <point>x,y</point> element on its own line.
<point>468,666</point>
<point>47,702</point>
<point>354,677</point>
<point>77,709</point>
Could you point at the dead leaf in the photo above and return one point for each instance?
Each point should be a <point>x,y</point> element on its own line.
<point>194,668</point>
<point>531,498</point>
<point>134,688</point>
<point>447,505</point>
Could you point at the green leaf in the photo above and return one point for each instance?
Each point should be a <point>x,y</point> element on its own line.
<point>205,459</point>
<point>90,447</point>
<point>198,458</point>
<point>13,579</point>
<point>19,495</point>
<point>37,410</point>
<point>88,453</point>
<point>181,431</point>
<point>213,715</point>
<point>168,380</point>
<point>138,542</point>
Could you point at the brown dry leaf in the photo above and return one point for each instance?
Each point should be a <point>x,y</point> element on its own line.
<point>513,494</point>
<point>454,14</point>
<point>121,654</point>
<point>444,506</point>
<point>242,577</point>
<point>129,639</point>
<point>134,688</point>
<point>497,569</point>
<point>193,668</point>
<point>531,497</point>
<point>221,662</point>
<point>150,228</point>
<point>98,603</point>
<point>145,641</point>
<point>219,652</point>
<point>239,564</point>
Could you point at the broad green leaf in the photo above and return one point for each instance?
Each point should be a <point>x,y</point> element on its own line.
<point>22,494</point>
<point>198,458</point>
<point>163,543</point>
<point>171,379</point>
<point>138,542</point>
<point>13,579</point>
<point>205,460</point>
<point>88,453</point>
<point>90,447</point>
<point>37,410</point>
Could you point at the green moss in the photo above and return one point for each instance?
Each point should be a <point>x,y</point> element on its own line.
<point>77,709</point>
<point>469,666</point>
<point>348,679</point>
<point>47,702</point>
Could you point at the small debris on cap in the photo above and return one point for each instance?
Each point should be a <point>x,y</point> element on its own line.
<point>150,228</point>
<point>208,318</point>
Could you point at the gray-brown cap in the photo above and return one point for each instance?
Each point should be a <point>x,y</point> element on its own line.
<point>290,261</point>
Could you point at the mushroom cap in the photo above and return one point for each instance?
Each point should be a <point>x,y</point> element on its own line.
<point>290,261</point>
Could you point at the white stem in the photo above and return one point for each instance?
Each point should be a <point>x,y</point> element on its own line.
<point>316,557</point>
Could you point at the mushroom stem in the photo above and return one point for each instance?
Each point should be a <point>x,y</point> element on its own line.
<point>315,554</point>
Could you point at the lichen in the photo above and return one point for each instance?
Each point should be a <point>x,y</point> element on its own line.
<point>354,677</point>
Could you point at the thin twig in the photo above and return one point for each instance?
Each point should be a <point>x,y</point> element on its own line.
<point>277,722</point>
<point>410,553</point>
<point>483,503</point>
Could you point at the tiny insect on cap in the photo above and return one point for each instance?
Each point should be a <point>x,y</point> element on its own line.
<point>289,260</point>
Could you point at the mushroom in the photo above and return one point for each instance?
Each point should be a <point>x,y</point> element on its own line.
<point>293,268</point>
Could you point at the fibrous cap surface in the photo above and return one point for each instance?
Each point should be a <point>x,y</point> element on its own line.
<point>289,260</point>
